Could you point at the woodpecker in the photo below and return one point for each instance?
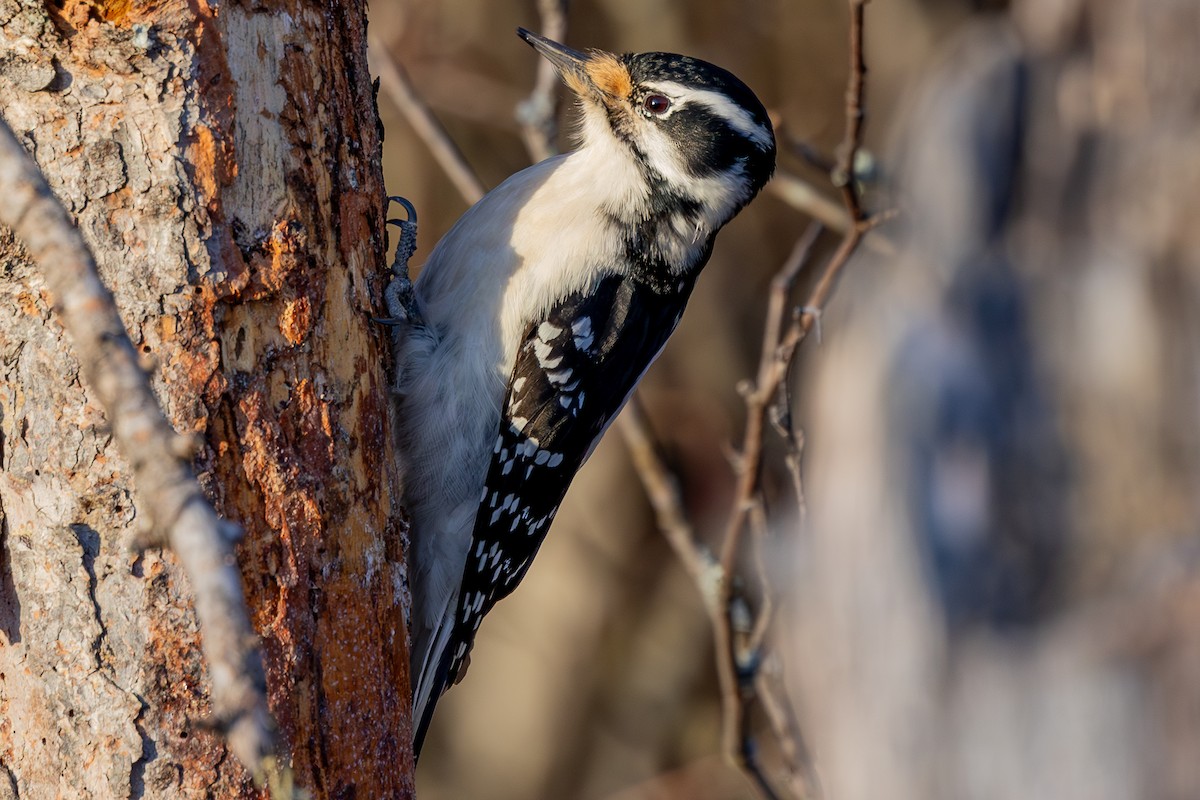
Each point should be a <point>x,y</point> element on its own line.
<point>538,313</point>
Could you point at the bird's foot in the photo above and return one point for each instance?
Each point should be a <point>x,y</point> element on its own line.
<point>399,297</point>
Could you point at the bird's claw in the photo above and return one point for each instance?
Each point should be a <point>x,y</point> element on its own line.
<point>399,297</point>
<point>408,207</point>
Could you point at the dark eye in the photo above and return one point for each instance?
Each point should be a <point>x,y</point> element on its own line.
<point>656,104</point>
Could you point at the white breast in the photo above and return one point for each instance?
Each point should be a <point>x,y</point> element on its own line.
<point>539,236</point>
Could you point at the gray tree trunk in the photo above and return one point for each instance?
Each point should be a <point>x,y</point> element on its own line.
<point>223,164</point>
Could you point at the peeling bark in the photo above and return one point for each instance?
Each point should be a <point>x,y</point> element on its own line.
<point>223,165</point>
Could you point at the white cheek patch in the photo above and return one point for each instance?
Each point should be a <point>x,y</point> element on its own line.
<point>717,194</point>
<point>664,154</point>
<point>738,118</point>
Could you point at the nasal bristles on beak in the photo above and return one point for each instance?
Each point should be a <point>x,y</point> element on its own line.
<point>596,74</point>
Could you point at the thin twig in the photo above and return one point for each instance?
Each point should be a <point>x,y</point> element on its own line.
<point>807,199</point>
<point>843,174</point>
<point>737,690</point>
<point>399,88</point>
<point>662,490</point>
<point>773,699</point>
<point>766,610</point>
<point>777,351</point>
<point>807,153</point>
<point>168,492</point>
<point>771,372</point>
<point>795,453</point>
<point>775,362</point>
<point>802,773</point>
<point>538,113</point>
<point>754,768</point>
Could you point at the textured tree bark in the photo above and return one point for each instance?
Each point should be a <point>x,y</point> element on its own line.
<point>223,164</point>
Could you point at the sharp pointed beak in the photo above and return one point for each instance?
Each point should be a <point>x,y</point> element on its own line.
<point>565,59</point>
<point>596,75</point>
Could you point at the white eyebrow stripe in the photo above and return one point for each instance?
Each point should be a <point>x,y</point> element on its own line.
<point>738,117</point>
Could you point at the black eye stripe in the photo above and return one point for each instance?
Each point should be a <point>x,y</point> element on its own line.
<point>650,68</point>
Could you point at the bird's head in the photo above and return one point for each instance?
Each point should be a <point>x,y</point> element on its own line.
<point>692,127</point>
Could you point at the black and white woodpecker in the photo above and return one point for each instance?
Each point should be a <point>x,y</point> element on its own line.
<point>538,313</point>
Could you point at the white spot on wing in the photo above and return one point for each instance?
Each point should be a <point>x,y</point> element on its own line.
<point>582,332</point>
<point>543,352</point>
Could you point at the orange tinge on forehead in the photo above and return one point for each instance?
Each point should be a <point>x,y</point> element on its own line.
<point>609,75</point>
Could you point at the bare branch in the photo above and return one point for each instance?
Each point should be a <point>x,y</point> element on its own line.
<point>400,91</point>
<point>771,372</point>
<point>662,490</point>
<point>168,492</point>
<point>807,199</point>
<point>843,174</point>
<point>538,113</point>
<point>766,611</point>
<point>771,694</point>
<point>740,646</point>
<point>775,361</point>
<point>736,669</point>
<point>806,152</point>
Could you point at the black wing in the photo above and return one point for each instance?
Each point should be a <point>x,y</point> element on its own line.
<point>574,371</point>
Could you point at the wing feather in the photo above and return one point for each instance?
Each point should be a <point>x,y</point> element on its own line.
<point>574,371</point>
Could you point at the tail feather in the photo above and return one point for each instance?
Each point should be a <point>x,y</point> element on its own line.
<point>432,673</point>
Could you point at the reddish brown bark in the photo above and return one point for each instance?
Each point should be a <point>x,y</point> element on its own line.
<point>223,164</point>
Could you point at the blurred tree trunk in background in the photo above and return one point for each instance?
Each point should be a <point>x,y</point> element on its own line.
<point>223,164</point>
<point>999,596</point>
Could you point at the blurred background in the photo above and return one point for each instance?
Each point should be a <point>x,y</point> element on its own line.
<point>995,591</point>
